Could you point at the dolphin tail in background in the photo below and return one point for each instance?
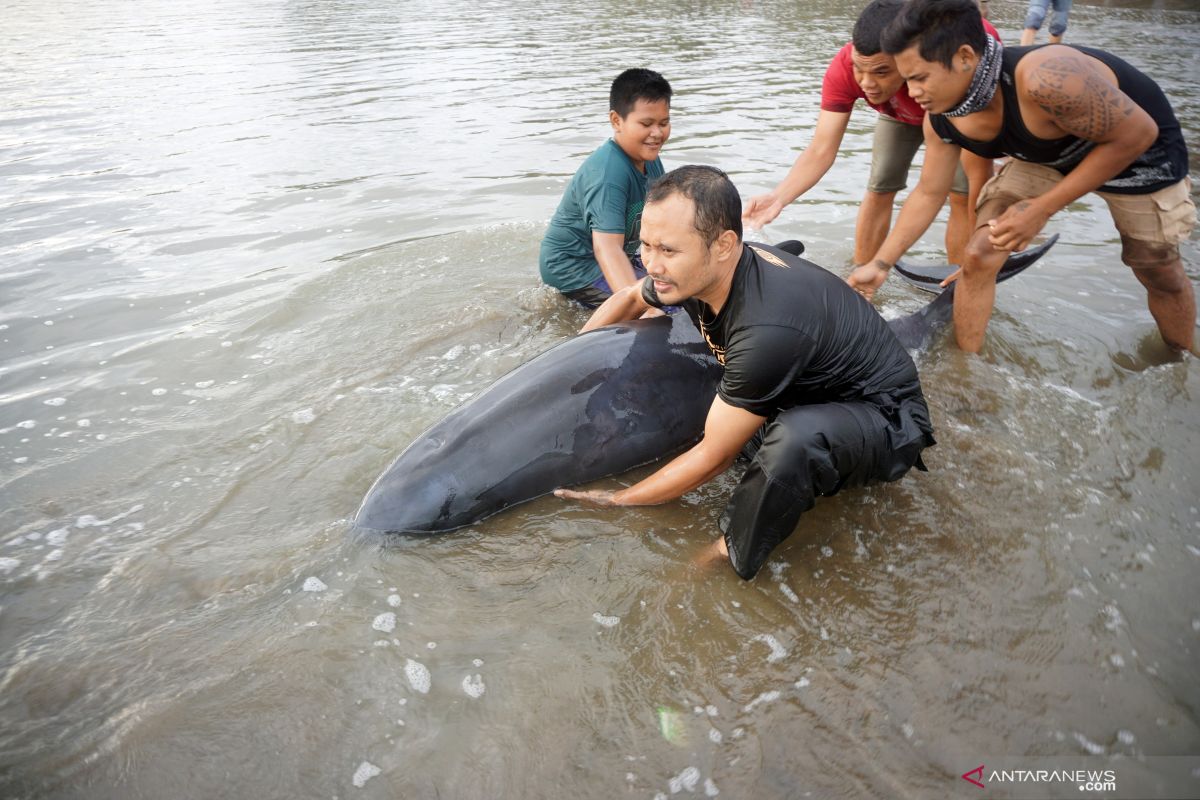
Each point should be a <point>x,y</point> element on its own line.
<point>917,329</point>
<point>929,276</point>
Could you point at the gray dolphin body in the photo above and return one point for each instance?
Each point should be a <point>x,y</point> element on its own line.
<point>595,405</point>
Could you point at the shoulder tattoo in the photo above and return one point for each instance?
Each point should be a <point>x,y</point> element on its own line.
<point>1069,89</point>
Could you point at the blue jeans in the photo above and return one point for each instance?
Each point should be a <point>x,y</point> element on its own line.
<point>1037,14</point>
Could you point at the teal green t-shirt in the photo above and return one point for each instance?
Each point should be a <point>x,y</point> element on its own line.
<point>606,194</point>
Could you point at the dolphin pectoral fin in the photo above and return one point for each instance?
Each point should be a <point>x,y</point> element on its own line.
<point>929,277</point>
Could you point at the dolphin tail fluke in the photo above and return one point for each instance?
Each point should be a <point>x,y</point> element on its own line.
<point>929,276</point>
<point>917,329</point>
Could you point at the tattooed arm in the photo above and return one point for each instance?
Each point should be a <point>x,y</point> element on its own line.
<point>1063,91</point>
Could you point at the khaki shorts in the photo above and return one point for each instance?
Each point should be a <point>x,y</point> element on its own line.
<point>896,143</point>
<point>1151,225</point>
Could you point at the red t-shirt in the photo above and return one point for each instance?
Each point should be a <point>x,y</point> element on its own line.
<point>840,90</point>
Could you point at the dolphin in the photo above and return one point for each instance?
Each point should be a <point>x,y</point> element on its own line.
<point>598,404</point>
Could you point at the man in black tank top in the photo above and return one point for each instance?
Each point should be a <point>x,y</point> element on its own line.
<point>1074,120</point>
<point>815,382</point>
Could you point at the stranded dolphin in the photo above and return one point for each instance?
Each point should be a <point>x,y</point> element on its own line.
<point>595,405</point>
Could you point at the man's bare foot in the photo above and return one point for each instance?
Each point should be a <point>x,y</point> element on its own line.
<point>712,554</point>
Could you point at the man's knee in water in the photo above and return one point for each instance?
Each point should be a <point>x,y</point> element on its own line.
<point>980,258</point>
<point>1167,279</point>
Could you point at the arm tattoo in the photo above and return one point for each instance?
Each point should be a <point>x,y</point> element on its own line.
<point>1082,103</point>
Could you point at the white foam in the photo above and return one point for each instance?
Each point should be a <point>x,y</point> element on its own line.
<point>1089,745</point>
<point>777,650</point>
<point>473,686</point>
<point>714,736</point>
<point>418,676</point>
<point>800,684</point>
<point>393,600</point>
<point>765,697</point>
<point>1113,619</point>
<point>90,521</point>
<point>55,401</point>
<point>314,584</point>
<point>7,565</point>
<point>688,779</point>
<point>303,416</point>
<point>710,788</point>
<point>366,770</point>
<point>1126,737</point>
<point>385,622</point>
<point>787,590</point>
<point>607,622</point>
<point>27,424</point>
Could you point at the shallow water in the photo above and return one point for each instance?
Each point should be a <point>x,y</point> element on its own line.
<point>251,250</point>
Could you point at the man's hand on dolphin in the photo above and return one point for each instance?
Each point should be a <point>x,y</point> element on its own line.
<point>869,277</point>
<point>595,497</point>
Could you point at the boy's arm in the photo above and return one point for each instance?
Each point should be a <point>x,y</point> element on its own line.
<point>1071,91</point>
<point>726,431</point>
<point>624,304</point>
<point>810,166</point>
<point>918,211</point>
<point>609,249</point>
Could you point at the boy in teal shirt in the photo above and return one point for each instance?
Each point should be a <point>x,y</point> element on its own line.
<point>591,246</point>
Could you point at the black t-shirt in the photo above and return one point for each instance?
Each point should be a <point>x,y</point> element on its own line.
<point>792,333</point>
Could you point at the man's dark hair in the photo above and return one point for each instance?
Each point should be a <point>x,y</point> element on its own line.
<point>637,84</point>
<point>718,206</point>
<point>938,28</point>
<point>868,30</point>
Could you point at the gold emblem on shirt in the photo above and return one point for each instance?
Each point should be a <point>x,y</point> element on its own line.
<point>770,258</point>
<point>719,352</point>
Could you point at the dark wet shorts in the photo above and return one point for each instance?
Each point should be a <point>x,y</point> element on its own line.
<point>818,450</point>
<point>595,293</point>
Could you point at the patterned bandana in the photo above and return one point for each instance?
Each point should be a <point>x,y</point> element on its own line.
<point>983,83</point>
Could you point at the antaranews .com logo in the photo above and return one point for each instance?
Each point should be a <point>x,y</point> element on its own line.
<point>1088,780</point>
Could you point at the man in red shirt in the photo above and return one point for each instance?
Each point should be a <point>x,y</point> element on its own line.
<point>861,70</point>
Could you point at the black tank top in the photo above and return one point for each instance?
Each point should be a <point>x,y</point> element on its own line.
<point>1163,164</point>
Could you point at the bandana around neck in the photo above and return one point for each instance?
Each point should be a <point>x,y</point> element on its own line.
<point>983,83</point>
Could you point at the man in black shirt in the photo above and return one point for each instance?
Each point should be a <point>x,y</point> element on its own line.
<point>810,367</point>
